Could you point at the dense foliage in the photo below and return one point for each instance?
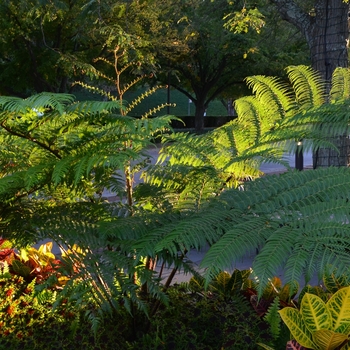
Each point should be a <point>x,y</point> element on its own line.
<point>70,152</point>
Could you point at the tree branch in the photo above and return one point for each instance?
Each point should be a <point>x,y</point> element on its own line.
<point>294,14</point>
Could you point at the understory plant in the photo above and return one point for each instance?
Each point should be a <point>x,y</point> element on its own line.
<point>320,325</point>
<point>58,156</point>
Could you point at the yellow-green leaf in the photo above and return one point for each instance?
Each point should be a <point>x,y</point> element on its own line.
<point>315,313</point>
<point>326,339</point>
<point>293,320</point>
<point>339,307</point>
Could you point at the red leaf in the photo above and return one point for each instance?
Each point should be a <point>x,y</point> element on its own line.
<point>294,345</point>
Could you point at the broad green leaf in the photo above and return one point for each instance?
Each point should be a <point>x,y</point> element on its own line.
<point>238,279</point>
<point>293,320</point>
<point>326,339</point>
<point>315,313</point>
<point>339,307</point>
<point>20,268</point>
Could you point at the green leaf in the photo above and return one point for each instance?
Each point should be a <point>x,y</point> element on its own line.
<point>339,307</point>
<point>326,339</point>
<point>294,321</point>
<point>315,313</point>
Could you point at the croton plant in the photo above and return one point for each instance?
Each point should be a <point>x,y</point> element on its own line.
<point>29,263</point>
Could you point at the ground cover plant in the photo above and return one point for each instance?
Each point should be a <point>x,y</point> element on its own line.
<point>58,155</point>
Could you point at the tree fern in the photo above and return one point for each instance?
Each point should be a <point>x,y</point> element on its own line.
<point>198,194</point>
<point>310,90</point>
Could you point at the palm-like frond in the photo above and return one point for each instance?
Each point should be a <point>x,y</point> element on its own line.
<point>309,88</point>
<point>43,100</point>
<point>340,84</point>
<point>292,216</point>
<point>274,95</point>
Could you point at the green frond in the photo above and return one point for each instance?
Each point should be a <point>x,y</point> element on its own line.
<point>13,104</point>
<point>340,89</point>
<point>308,207</point>
<point>274,95</point>
<point>42,100</point>
<point>56,101</point>
<point>250,117</point>
<point>273,318</point>
<point>96,90</point>
<point>308,86</point>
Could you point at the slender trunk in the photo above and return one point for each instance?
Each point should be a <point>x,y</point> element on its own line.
<point>230,108</point>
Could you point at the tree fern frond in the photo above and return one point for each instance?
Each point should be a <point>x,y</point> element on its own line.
<point>274,96</point>
<point>340,89</point>
<point>13,104</point>
<point>235,243</point>
<point>284,212</point>
<point>61,169</point>
<point>250,113</point>
<point>55,101</point>
<point>308,86</point>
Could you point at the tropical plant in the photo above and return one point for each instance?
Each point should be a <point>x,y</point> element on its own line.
<point>289,207</point>
<point>30,263</point>
<point>53,186</point>
<point>71,151</point>
<point>320,325</point>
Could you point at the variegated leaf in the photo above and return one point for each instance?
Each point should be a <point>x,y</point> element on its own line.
<point>293,320</point>
<point>326,339</point>
<point>339,307</point>
<point>315,313</point>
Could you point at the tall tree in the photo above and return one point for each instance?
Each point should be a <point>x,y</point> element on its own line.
<point>34,38</point>
<point>324,23</point>
<point>44,44</point>
<point>201,56</point>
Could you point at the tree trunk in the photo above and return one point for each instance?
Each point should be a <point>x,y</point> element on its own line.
<point>230,108</point>
<point>327,37</point>
<point>328,48</point>
<point>199,117</point>
<point>326,31</point>
<point>326,157</point>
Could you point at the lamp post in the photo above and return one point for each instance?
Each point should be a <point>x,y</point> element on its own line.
<point>299,157</point>
<point>189,107</point>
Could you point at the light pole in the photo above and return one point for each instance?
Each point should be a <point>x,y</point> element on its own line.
<point>189,107</point>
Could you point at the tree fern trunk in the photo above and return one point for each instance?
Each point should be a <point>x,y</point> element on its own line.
<point>326,157</point>
<point>326,30</point>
